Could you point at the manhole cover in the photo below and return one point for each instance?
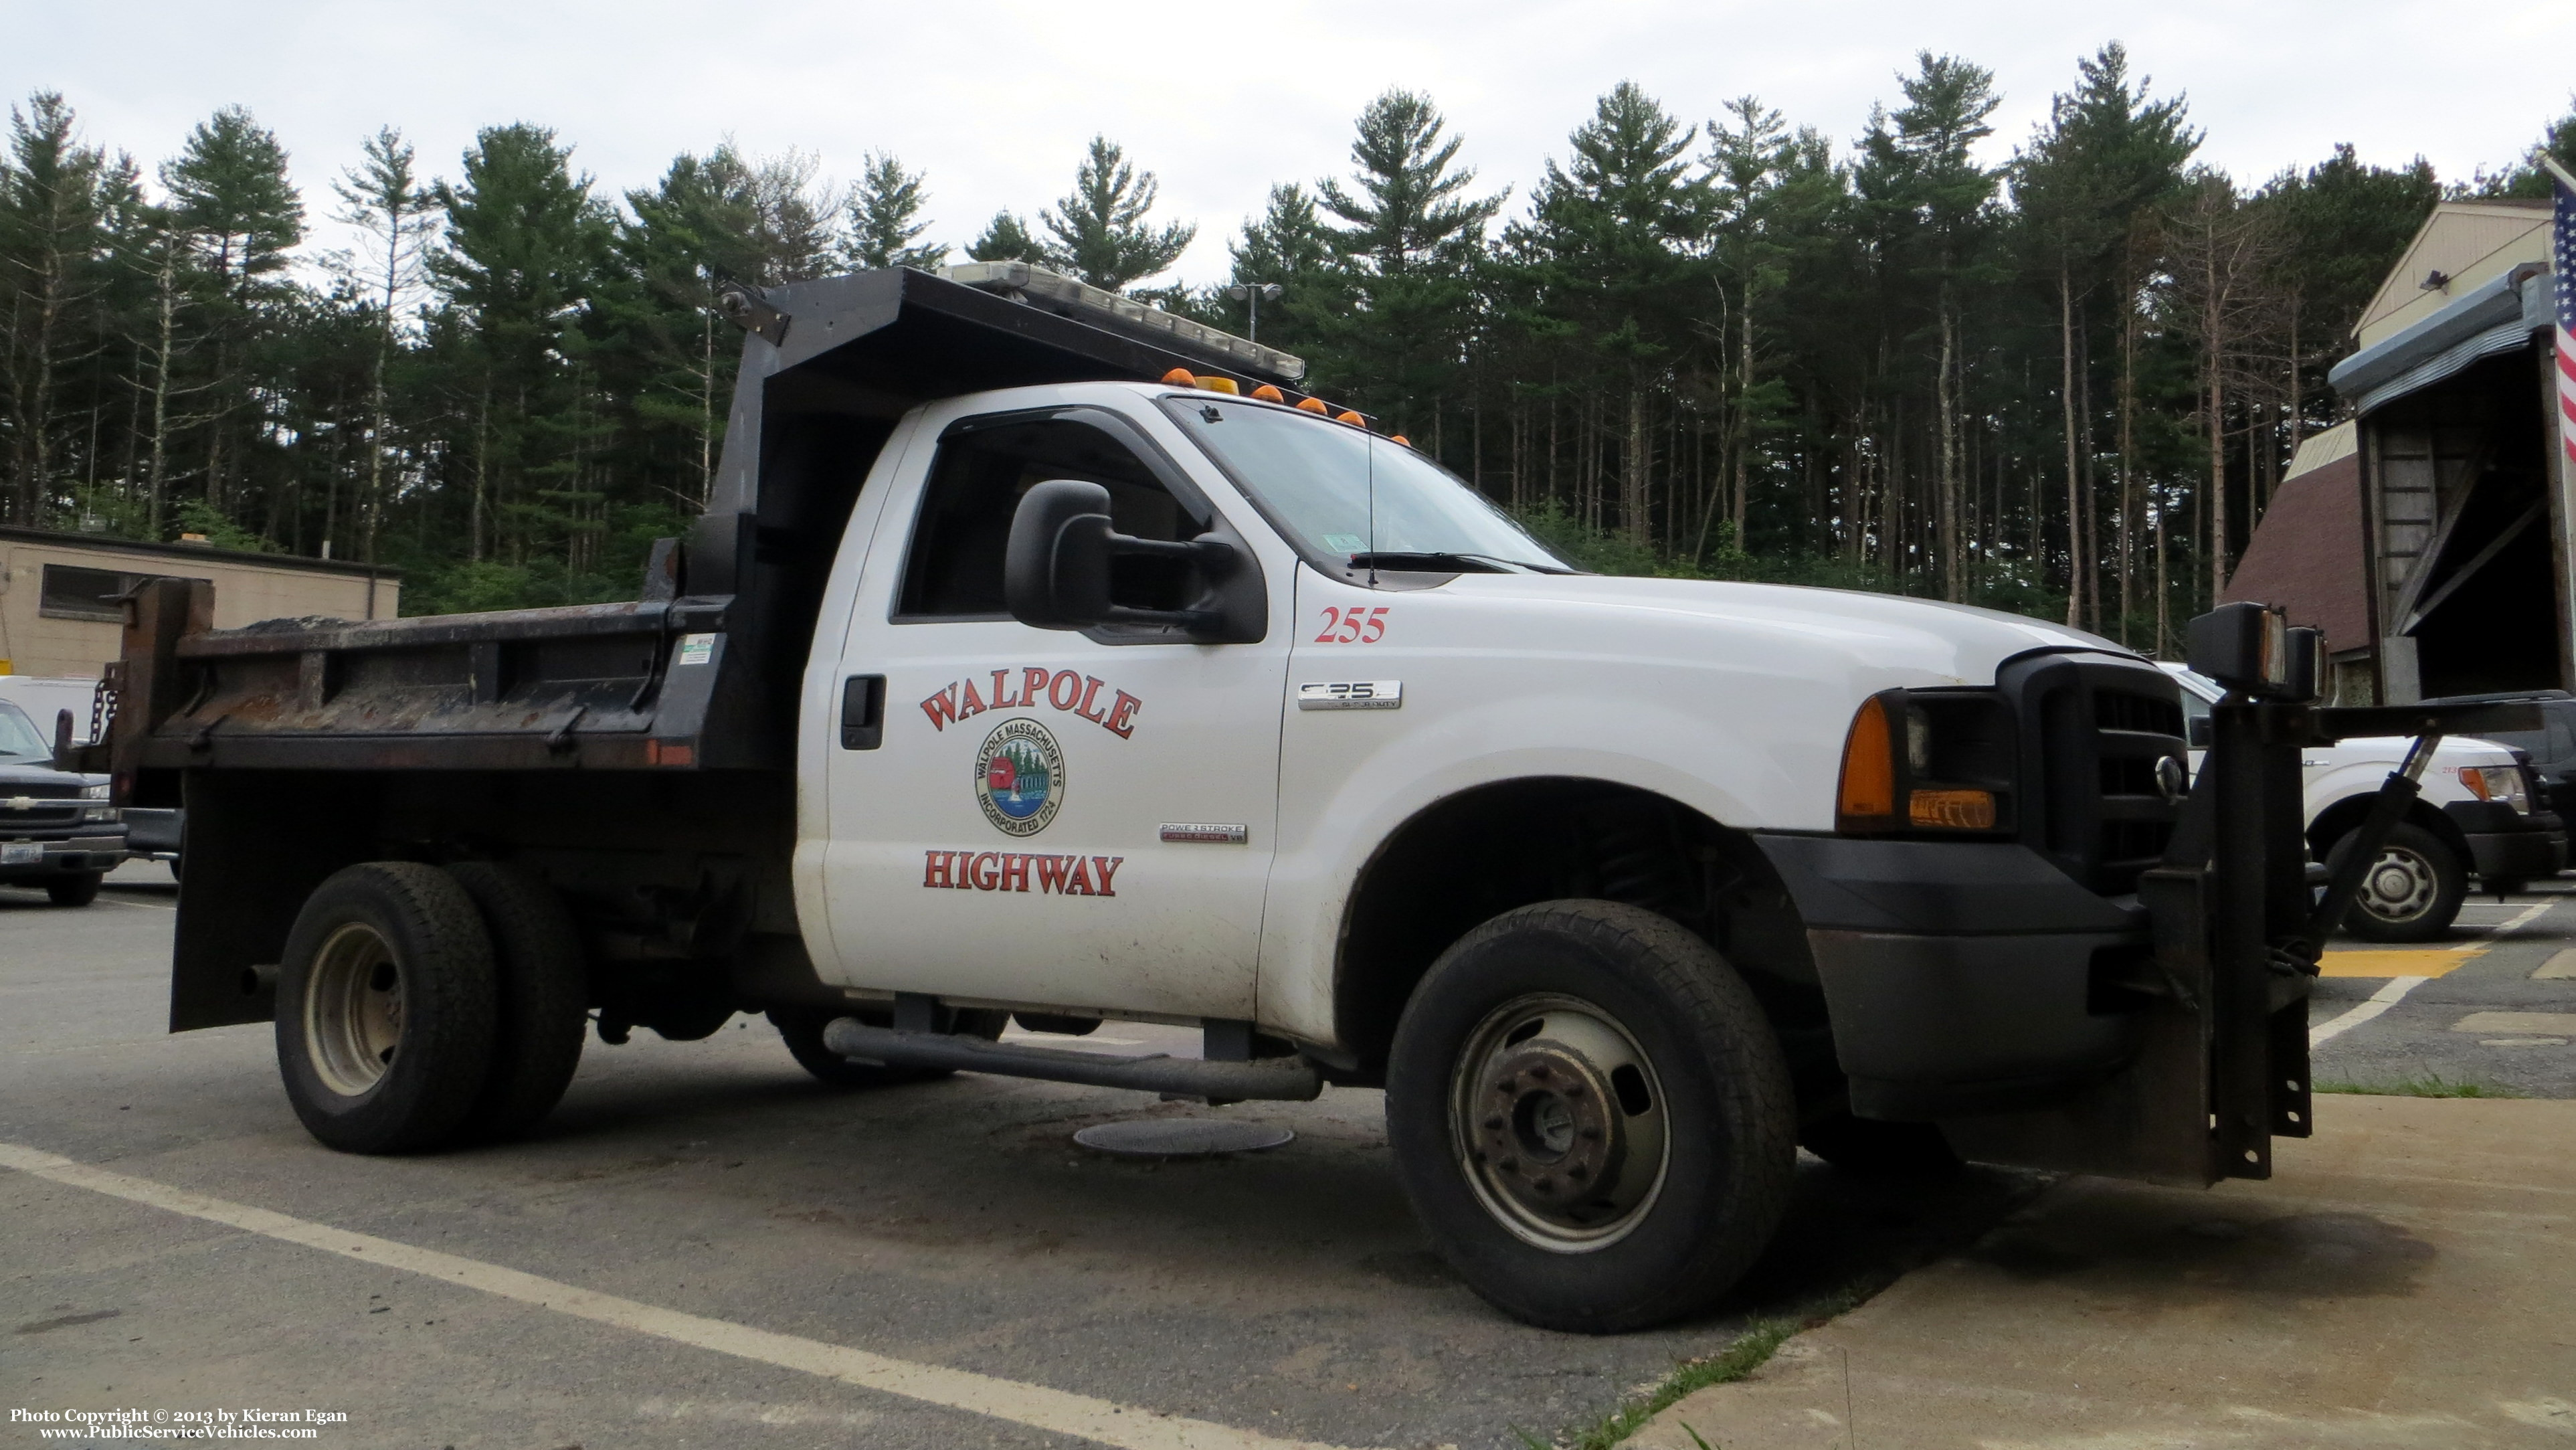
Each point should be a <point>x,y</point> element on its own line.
<point>1181,1137</point>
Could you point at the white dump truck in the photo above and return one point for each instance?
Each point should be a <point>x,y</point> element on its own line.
<point>1046,656</point>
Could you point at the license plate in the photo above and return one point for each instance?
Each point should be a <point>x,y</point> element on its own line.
<point>22,853</point>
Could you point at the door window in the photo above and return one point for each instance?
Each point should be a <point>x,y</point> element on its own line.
<point>954,569</point>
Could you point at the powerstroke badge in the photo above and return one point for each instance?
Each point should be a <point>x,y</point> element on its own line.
<point>1019,777</point>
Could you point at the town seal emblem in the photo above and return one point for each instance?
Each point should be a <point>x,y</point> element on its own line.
<point>1019,777</point>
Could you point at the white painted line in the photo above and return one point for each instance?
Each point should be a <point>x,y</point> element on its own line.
<point>2559,968</point>
<point>2380,1001</point>
<point>2525,918</point>
<point>1126,1426</point>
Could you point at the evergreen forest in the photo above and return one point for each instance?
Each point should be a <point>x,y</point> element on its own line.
<point>1710,342</point>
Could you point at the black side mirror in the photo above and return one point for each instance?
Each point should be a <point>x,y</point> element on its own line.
<point>2198,733</point>
<point>1055,573</point>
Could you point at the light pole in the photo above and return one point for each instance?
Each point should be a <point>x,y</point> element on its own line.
<point>1252,295</point>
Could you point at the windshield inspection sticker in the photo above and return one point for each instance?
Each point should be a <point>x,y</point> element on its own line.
<point>1352,695</point>
<point>696,649</point>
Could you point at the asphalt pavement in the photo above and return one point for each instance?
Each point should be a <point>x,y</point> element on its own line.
<point>703,1247</point>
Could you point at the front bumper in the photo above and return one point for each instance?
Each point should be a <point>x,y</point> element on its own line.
<point>2507,845</point>
<point>152,831</point>
<point>99,850</point>
<point>1961,977</point>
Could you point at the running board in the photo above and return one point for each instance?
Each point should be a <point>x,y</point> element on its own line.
<point>1279,1079</point>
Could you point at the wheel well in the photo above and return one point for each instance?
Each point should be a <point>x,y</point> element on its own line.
<point>2336,820</point>
<point>1482,852</point>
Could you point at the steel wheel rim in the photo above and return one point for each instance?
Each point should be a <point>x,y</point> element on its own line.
<point>1572,1158</point>
<point>2400,885</point>
<point>353,1010</point>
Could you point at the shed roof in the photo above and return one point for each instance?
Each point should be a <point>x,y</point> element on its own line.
<point>2306,554</point>
<point>103,544</point>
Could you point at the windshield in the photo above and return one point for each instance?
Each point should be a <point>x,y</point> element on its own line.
<point>1314,479</point>
<point>19,741</point>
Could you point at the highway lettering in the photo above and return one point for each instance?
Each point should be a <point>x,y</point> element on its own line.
<point>1021,871</point>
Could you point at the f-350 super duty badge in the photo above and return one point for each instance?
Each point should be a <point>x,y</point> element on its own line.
<point>1019,777</point>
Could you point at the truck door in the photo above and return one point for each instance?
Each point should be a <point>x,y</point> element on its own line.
<point>1066,819</point>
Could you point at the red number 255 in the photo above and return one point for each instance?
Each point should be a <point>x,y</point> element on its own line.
<point>1356,625</point>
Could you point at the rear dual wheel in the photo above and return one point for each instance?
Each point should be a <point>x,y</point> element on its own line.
<point>417,1006</point>
<point>1591,1116</point>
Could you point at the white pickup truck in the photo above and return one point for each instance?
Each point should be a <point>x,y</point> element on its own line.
<point>1002,679</point>
<point>2480,812</point>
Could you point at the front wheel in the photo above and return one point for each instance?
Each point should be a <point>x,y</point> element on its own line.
<point>2412,891</point>
<point>76,890</point>
<point>1591,1116</point>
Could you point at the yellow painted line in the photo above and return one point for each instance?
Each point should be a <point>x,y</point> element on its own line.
<point>2420,961</point>
<point>2399,962</point>
<point>1129,1427</point>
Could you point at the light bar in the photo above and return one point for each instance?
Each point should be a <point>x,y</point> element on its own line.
<point>1067,297</point>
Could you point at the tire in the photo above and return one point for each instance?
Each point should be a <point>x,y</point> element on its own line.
<point>802,1030</point>
<point>2412,893</point>
<point>1591,1043</point>
<point>1873,1149</point>
<point>385,1008</point>
<point>79,889</point>
<point>543,1002</point>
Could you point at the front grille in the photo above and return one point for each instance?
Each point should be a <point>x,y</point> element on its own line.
<point>2096,727</point>
<point>43,813</point>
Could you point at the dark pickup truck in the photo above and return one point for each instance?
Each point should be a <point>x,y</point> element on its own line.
<point>58,830</point>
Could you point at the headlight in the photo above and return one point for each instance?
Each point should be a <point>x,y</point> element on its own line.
<point>1927,761</point>
<point>2497,783</point>
<point>96,792</point>
<point>100,813</point>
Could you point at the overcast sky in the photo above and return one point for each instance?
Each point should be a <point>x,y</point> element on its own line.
<point>995,99</point>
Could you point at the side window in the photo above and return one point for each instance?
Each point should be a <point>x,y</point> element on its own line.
<point>954,569</point>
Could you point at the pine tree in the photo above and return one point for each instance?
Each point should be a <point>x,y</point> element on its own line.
<point>383,197</point>
<point>524,244</point>
<point>1614,236</point>
<point>229,188</point>
<point>56,200</point>
<point>2106,156</point>
<point>883,218</point>
<point>1410,238</point>
<point>1007,239</point>
<point>1100,231</point>
<point>1288,247</point>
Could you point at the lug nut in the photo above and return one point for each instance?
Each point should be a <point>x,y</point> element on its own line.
<point>1507,1164</point>
<point>1538,1070</point>
<point>1493,1125</point>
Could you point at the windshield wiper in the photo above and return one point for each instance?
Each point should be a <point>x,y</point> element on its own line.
<point>1436,561</point>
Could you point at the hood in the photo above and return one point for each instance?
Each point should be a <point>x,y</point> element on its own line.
<point>1950,643</point>
<point>44,781</point>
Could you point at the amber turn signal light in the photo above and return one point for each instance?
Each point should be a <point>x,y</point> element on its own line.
<point>1269,393</point>
<point>1868,792</point>
<point>1312,405</point>
<point>1951,810</point>
<point>1180,378</point>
